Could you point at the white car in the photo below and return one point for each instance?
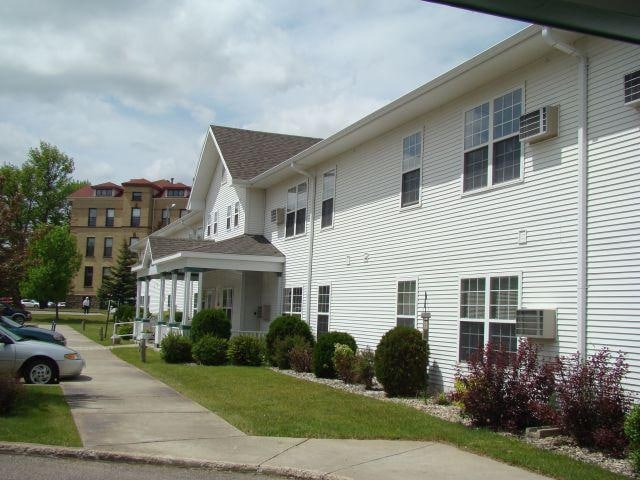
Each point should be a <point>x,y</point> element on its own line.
<point>30,303</point>
<point>37,362</point>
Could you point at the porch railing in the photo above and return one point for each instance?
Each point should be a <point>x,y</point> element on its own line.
<point>249,333</point>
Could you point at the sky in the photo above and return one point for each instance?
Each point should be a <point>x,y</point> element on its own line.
<point>128,88</point>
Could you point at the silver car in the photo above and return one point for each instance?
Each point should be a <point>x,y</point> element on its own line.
<point>37,362</point>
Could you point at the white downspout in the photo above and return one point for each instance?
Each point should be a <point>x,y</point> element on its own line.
<point>583,66</point>
<point>312,221</point>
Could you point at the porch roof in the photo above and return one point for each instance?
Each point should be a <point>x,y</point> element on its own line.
<point>245,252</point>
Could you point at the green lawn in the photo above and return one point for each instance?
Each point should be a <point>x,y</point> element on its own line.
<point>262,402</point>
<point>42,416</point>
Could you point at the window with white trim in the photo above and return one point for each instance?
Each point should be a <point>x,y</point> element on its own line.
<point>296,210</point>
<point>488,315</point>
<point>492,153</point>
<point>292,301</point>
<point>229,217</point>
<point>328,194</point>
<point>324,297</point>
<point>236,214</point>
<point>227,301</point>
<point>406,303</point>
<point>411,168</point>
<point>215,222</point>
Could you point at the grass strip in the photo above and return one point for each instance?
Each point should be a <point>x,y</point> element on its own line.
<point>259,401</point>
<point>41,416</point>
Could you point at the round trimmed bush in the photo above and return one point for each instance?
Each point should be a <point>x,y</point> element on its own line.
<point>245,350</point>
<point>212,321</point>
<point>283,327</point>
<point>323,352</point>
<point>401,361</point>
<point>175,349</point>
<point>210,350</point>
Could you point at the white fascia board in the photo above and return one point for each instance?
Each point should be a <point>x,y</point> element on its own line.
<point>220,261</point>
<point>203,176</point>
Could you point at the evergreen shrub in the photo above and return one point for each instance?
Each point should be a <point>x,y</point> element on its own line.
<point>175,349</point>
<point>210,350</point>
<point>210,321</point>
<point>281,328</point>
<point>245,350</point>
<point>323,352</point>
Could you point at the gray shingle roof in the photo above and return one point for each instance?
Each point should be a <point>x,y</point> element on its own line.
<point>248,153</point>
<point>242,245</point>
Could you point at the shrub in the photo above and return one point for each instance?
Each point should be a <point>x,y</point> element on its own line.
<point>344,362</point>
<point>506,391</point>
<point>442,399</point>
<point>177,316</point>
<point>210,350</point>
<point>281,351</point>
<point>323,352</point>
<point>175,349</point>
<point>125,329</point>
<point>301,355</point>
<point>365,368</point>
<point>245,350</point>
<point>10,391</point>
<point>210,321</point>
<point>124,313</point>
<point>632,430</point>
<point>591,401</point>
<point>401,361</point>
<point>282,327</point>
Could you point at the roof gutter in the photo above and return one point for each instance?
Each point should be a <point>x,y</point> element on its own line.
<point>312,221</point>
<point>583,184</point>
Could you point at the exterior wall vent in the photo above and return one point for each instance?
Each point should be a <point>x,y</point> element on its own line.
<point>632,89</point>
<point>539,125</point>
<point>277,216</point>
<point>536,323</point>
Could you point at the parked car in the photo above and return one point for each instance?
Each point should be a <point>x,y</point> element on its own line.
<point>37,362</point>
<point>29,303</point>
<point>20,315</point>
<point>33,333</point>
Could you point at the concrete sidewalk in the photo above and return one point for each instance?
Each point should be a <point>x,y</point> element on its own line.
<point>119,408</point>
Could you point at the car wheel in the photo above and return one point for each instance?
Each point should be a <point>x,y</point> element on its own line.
<point>18,317</point>
<point>41,370</point>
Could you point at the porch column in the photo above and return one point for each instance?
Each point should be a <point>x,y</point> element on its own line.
<point>280,294</point>
<point>174,288</point>
<point>161,308</point>
<point>200,304</point>
<point>138,291</point>
<point>186,315</point>
<point>145,302</point>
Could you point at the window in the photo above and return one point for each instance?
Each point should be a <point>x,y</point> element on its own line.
<point>104,192</point>
<point>296,210</point>
<point>135,217</point>
<point>165,217</point>
<point>227,301</point>
<point>91,245</point>
<point>106,271</point>
<point>93,213</point>
<point>491,145</point>
<point>406,304</point>
<point>229,217</point>
<point>133,240</point>
<point>292,301</point>
<point>208,230</point>
<point>488,319</point>
<point>88,276</point>
<point>236,214</point>
<point>109,217</point>
<point>136,196</point>
<point>183,212</point>
<point>324,294</point>
<point>215,222</point>
<point>174,192</point>
<point>108,247</point>
<point>328,193</point>
<point>411,165</point>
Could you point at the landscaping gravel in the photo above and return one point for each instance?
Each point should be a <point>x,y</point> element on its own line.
<point>451,413</point>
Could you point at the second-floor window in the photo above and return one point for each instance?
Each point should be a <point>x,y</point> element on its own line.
<point>236,214</point>
<point>91,245</point>
<point>106,271</point>
<point>411,168</point>
<point>104,192</point>
<point>93,213</point>
<point>165,217</point>
<point>108,247</point>
<point>174,192</point>
<point>135,217</point>
<point>296,210</point>
<point>215,222</point>
<point>110,216</point>
<point>136,196</point>
<point>88,276</point>
<point>491,144</point>
<point>328,194</point>
<point>229,217</point>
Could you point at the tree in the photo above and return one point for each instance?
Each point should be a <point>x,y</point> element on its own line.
<point>12,244</point>
<point>52,261</point>
<point>120,285</point>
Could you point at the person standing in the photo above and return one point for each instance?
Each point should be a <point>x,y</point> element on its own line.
<point>86,303</point>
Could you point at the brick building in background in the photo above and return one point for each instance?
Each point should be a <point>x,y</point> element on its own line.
<point>104,215</point>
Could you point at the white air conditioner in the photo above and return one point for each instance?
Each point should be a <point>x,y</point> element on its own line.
<point>632,89</point>
<point>277,216</point>
<point>536,323</point>
<point>539,125</point>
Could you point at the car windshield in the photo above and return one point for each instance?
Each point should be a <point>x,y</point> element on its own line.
<point>7,322</point>
<point>10,334</point>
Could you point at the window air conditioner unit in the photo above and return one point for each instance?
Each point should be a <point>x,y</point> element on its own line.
<point>539,125</point>
<point>277,216</point>
<point>632,89</point>
<point>536,323</point>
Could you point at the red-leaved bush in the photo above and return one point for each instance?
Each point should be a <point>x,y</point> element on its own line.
<point>591,401</point>
<point>507,391</point>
